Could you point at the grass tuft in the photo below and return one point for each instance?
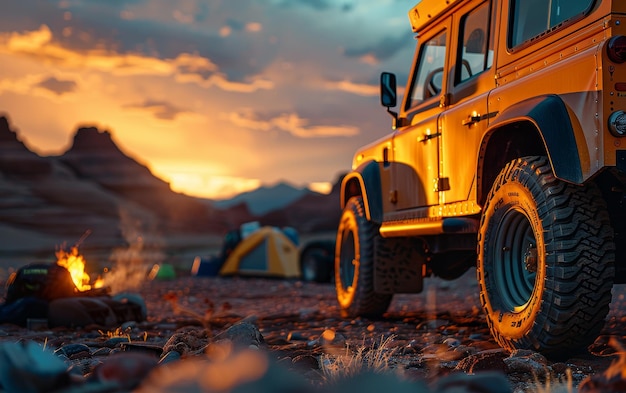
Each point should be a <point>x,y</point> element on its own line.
<point>340,364</point>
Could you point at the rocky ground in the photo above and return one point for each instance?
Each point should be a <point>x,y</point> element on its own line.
<point>425,341</point>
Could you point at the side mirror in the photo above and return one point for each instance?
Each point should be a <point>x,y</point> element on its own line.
<point>388,95</point>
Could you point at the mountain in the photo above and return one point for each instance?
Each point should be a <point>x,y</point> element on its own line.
<point>310,213</point>
<point>96,194</point>
<point>93,190</point>
<point>266,198</point>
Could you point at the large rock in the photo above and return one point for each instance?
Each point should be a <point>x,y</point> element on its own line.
<point>96,157</point>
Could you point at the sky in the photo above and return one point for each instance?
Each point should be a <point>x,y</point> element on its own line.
<point>216,97</point>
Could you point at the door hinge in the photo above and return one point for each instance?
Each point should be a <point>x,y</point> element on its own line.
<point>444,100</point>
<point>442,184</point>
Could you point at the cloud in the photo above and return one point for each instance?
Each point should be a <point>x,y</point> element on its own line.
<point>186,67</point>
<point>235,24</point>
<point>291,123</point>
<point>361,89</point>
<point>289,86</point>
<point>28,42</point>
<point>318,5</point>
<point>160,109</point>
<point>254,27</point>
<point>58,86</point>
<point>382,50</point>
<point>232,36</point>
<point>38,84</point>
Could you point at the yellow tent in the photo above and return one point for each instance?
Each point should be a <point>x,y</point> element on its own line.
<point>265,252</point>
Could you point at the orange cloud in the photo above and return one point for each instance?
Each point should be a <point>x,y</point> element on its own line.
<point>254,27</point>
<point>30,41</point>
<point>160,109</point>
<point>355,88</point>
<point>225,31</point>
<point>290,122</point>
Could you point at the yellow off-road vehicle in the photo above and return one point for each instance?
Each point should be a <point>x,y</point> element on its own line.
<point>509,154</point>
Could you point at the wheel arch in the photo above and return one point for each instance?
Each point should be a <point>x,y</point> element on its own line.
<point>538,126</point>
<point>364,181</point>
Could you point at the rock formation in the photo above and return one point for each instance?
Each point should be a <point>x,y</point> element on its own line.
<point>95,188</point>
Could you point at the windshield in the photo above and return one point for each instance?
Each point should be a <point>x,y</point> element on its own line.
<point>428,79</point>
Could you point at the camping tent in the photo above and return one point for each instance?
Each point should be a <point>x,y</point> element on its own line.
<point>265,252</point>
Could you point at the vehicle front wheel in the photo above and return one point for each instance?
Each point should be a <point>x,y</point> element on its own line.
<point>545,260</point>
<point>354,264</point>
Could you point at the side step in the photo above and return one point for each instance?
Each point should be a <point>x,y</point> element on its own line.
<point>429,226</point>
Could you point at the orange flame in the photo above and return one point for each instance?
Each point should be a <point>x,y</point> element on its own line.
<point>74,262</point>
<point>617,368</point>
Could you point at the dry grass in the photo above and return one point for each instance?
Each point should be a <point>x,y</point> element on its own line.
<point>341,364</point>
<point>551,386</point>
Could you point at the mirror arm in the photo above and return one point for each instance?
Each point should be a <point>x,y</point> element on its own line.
<point>395,118</point>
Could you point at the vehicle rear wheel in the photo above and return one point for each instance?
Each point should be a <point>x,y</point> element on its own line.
<point>354,264</point>
<point>545,260</point>
<point>314,266</point>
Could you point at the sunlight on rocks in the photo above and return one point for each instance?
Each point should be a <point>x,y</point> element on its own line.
<point>221,371</point>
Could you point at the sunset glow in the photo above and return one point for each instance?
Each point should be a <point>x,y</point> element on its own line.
<point>213,98</point>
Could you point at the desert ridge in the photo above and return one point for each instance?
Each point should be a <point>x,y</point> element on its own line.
<point>95,188</point>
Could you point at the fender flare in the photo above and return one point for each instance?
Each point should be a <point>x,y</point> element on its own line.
<point>556,128</point>
<point>367,175</point>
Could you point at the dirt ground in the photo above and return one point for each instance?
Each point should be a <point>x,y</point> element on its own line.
<point>427,335</point>
<point>423,337</point>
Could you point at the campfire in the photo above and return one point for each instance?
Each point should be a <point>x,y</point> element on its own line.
<point>74,262</point>
<point>613,379</point>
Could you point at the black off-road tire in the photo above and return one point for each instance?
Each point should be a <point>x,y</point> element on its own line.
<point>354,264</point>
<point>545,260</point>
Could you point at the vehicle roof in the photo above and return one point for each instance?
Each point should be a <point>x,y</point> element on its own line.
<point>427,10</point>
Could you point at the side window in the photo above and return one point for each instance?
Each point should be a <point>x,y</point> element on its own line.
<point>476,52</point>
<point>531,18</point>
<point>428,79</point>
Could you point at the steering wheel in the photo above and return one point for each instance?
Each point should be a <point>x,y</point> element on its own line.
<point>431,88</point>
<point>467,67</point>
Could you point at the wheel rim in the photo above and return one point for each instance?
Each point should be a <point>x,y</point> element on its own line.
<point>347,259</point>
<point>515,262</point>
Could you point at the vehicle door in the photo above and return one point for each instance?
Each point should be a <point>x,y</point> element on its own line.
<point>415,145</point>
<point>467,115</point>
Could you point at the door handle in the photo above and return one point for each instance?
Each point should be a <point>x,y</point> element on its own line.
<point>471,119</point>
<point>427,137</point>
<point>475,118</point>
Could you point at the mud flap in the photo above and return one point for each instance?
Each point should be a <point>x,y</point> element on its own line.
<point>398,265</point>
